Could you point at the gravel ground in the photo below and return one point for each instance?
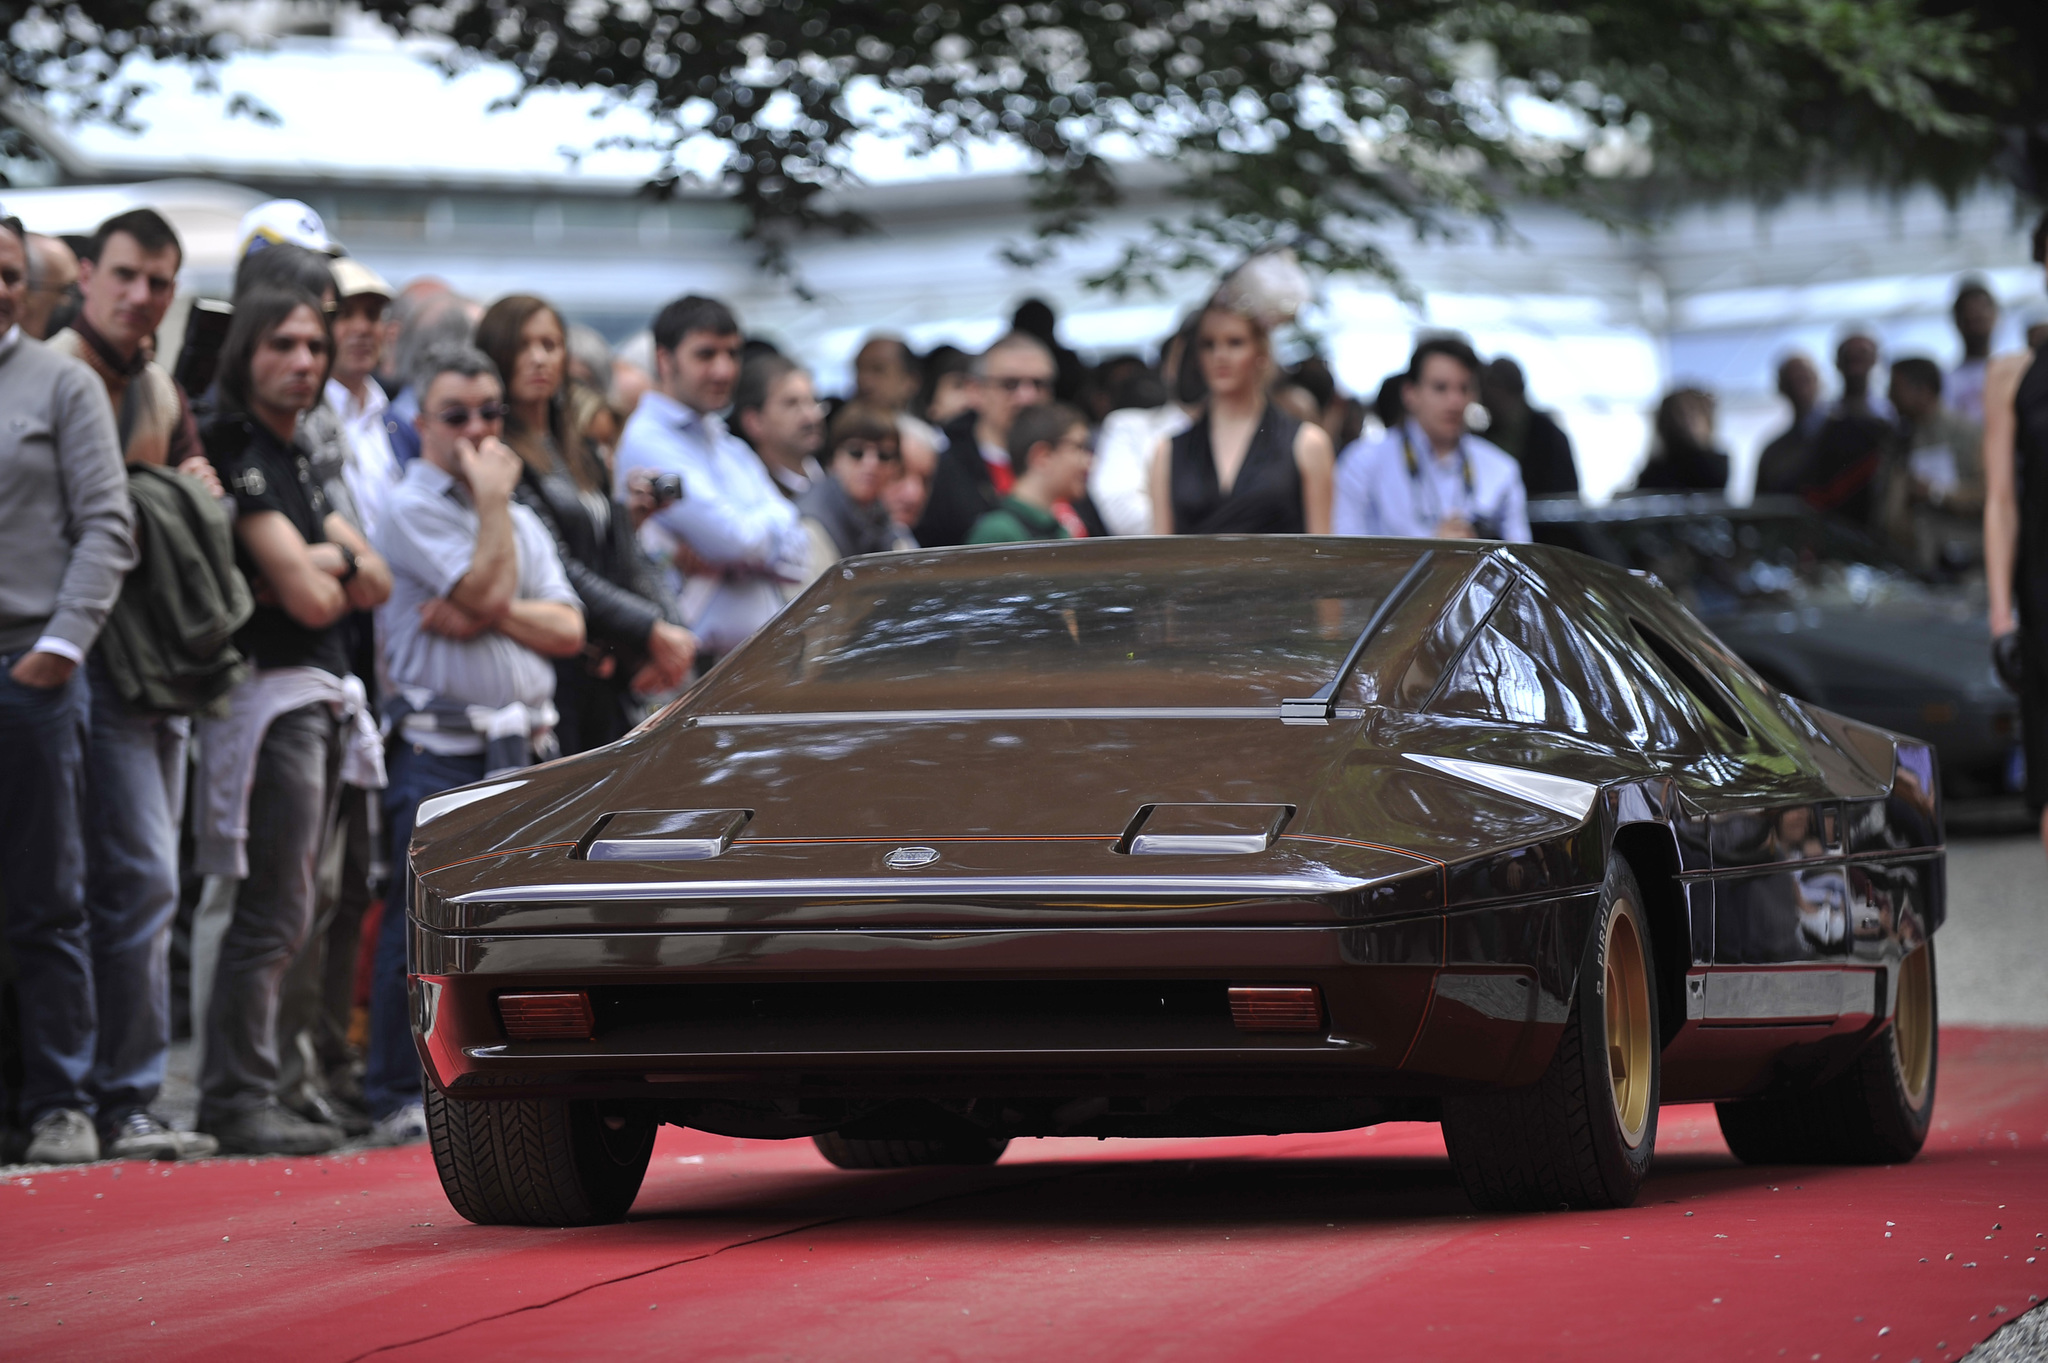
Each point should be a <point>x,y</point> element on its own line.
<point>1992,954</point>
<point>2023,1341</point>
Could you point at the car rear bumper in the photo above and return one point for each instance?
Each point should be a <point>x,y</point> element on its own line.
<point>1435,1004</point>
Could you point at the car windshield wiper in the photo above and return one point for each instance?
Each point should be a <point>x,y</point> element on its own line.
<point>1318,709</point>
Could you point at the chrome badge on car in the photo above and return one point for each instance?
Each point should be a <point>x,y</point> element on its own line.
<point>910,858</point>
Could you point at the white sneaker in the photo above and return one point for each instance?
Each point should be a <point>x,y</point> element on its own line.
<point>407,1126</point>
<point>65,1136</point>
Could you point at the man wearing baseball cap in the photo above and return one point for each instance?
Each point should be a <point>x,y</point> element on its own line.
<point>359,335</point>
<point>284,221</point>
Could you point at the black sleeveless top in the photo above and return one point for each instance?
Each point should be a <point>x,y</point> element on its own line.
<point>1265,499</point>
<point>2030,468</point>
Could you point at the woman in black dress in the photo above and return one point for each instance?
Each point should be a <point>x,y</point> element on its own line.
<point>637,645</point>
<point>1245,467</point>
<point>2016,539</point>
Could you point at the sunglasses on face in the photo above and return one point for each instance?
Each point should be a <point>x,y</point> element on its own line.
<point>1015,385</point>
<point>867,449</point>
<point>455,418</point>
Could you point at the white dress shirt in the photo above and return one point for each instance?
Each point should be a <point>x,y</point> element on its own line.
<point>731,515</point>
<point>371,470</point>
<point>1121,481</point>
<point>1379,493</point>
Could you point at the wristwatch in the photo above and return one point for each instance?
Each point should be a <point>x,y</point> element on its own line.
<point>348,558</point>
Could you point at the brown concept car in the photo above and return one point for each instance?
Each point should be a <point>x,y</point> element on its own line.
<point>1180,837</point>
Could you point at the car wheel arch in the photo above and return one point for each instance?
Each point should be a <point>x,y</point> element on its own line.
<point>1651,851</point>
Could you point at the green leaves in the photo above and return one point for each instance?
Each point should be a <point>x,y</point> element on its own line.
<point>1319,123</point>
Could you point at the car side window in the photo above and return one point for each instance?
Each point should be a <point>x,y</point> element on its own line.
<point>1705,694</point>
<point>1670,723</point>
<point>1530,665</point>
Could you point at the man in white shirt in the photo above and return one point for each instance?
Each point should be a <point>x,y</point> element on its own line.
<point>371,469</point>
<point>732,534</point>
<point>1430,477</point>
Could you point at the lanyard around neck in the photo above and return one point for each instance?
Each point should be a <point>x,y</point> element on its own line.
<point>1415,465</point>
<point>1416,479</point>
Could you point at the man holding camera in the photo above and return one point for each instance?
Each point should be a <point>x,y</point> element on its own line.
<point>1429,477</point>
<point>736,541</point>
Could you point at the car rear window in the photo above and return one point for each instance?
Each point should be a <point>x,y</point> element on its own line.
<point>1152,623</point>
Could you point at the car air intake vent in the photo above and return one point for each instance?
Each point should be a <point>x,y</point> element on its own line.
<point>1204,830</point>
<point>900,1016</point>
<point>662,834</point>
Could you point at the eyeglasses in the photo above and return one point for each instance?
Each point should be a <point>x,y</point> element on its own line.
<point>1016,385</point>
<point>455,418</point>
<point>867,449</point>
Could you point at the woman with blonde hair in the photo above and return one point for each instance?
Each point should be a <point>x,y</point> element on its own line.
<point>1245,466</point>
<point>637,645</point>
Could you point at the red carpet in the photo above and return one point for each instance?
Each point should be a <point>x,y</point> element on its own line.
<point>1354,1245</point>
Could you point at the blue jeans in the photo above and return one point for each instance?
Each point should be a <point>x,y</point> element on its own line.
<point>135,788</point>
<point>392,1078</point>
<point>42,881</point>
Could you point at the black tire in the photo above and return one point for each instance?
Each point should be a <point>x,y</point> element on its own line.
<point>1578,1137</point>
<point>1875,1112</point>
<point>859,1154</point>
<point>537,1162</point>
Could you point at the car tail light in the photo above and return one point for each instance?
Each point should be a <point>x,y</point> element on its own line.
<point>1276,1008</point>
<point>563,1016</point>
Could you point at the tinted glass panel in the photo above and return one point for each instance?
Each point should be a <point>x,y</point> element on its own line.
<point>1152,623</point>
<point>1530,665</point>
<point>1442,641</point>
<point>1667,721</point>
<point>1703,692</point>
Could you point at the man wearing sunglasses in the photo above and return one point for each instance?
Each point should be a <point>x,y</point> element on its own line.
<point>1049,446</point>
<point>479,608</point>
<point>975,472</point>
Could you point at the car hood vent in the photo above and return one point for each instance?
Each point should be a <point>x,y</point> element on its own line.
<point>662,834</point>
<point>1204,830</point>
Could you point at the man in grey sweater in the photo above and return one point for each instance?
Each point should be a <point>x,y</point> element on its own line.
<point>69,530</point>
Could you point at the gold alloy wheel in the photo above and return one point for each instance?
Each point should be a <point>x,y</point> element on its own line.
<point>1631,1031</point>
<point>1913,1025</point>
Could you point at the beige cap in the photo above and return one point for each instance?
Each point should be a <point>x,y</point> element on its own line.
<point>352,277</point>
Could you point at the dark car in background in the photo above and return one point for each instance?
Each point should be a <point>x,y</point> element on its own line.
<point>1823,613</point>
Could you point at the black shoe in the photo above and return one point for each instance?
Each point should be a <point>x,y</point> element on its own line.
<point>270,1130</point>
<point>345,1086</point>
<point>326,1110</point>
<point>138,1135</point>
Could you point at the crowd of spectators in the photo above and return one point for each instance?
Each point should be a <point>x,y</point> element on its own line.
<point>1905,465</point>
<point>383,542</point>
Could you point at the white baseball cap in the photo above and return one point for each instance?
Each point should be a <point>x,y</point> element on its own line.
<point>284,220</point>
